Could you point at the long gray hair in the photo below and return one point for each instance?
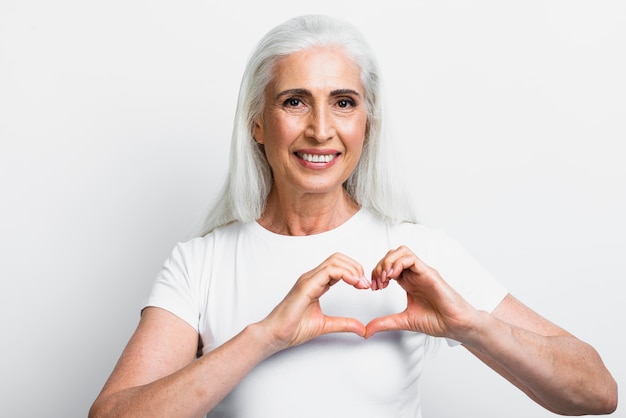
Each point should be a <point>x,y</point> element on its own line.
<point>244,193</point>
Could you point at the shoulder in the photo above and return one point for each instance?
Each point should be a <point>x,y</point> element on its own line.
<point>202,246</point>
<point>420,238</point>
<point>227,231</point>
<point>367,215</point>
<point>412,233</point>
<point>433,245</point>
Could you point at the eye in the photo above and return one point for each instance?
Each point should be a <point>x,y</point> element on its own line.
<point>292,102</point>
<point>345,103</point>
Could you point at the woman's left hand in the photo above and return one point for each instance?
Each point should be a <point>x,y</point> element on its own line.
<point>433,307</point>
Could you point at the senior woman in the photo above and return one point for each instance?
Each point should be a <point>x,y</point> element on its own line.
<point>250,319</point>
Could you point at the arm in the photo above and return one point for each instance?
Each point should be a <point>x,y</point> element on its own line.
<point>157,374</point>
<point>560,372</point>
<point>554,368</point>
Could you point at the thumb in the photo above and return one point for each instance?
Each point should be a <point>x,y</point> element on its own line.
<point>341,324</point>
<point>392,322</point>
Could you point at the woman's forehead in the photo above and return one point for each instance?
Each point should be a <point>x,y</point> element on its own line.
<point>319,68</point>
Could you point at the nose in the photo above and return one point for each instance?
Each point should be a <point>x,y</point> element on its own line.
<point>321,125</point>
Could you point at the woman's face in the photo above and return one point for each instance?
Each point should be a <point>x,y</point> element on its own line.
<point>314,121</point>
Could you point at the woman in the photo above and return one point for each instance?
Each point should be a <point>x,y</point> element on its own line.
<point>250,319</point>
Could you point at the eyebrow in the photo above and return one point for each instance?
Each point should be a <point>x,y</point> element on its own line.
<point>307,93</point>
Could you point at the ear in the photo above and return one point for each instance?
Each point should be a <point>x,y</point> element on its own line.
<point>257,131</point>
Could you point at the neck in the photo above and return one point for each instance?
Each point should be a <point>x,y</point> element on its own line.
<point>306,214</point>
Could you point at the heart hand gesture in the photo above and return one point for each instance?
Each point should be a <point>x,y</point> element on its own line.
<point>433,307</point>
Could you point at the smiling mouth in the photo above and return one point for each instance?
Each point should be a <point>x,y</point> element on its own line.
<point>317,158</point>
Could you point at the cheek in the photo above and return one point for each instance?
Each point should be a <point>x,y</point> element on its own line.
<point>355,133</point>
<point>281,131</point>
<point>278,137</point>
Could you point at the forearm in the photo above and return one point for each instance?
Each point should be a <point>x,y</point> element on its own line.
<point>195,389</point>
<point>562,373</point>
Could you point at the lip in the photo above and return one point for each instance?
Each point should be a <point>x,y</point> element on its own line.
<point>305,157</point>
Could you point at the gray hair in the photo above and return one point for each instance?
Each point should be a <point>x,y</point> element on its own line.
<point>244,193</point>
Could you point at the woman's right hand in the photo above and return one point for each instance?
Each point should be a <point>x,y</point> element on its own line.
<point>298,318</point>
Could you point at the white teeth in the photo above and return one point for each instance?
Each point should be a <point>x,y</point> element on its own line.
<point>317,158</point>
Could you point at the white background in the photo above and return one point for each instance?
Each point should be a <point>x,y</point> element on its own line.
<point>114,127</point>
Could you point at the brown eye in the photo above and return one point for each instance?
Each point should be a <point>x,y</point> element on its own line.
<point>345,103</point>
<point>293,102</point>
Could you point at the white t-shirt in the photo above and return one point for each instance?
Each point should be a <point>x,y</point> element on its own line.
<point>238,273</point>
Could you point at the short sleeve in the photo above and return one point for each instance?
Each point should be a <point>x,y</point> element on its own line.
<point>175,287</point>
<point>466,275</point>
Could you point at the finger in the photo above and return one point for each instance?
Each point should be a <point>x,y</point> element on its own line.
<point>334,324</point>
<point>391,266</point>
<point>333,274</point>
<point>382,265</point>
<point>317,282</point>
<point>410,262</point>
<point>400,260</point>
<point>403,262</point>
<point>341,267</point>
<point>358,278</point>
<point>392,322</point>
<point>385,264</point>
<point>383,281</point>
<point>376,281</point>
<point>380,274</point>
